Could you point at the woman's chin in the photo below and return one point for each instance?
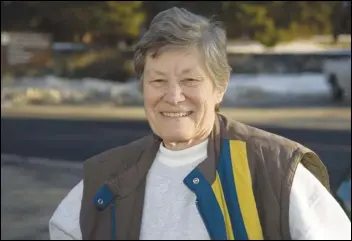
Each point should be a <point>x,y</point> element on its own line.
<point>176,136</point>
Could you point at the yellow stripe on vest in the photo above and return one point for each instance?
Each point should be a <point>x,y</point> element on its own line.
<point>243,183</point>
<point>217,189</point>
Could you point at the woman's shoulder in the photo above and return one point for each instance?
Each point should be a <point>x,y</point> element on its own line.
<point>118,154</point>
<point>64,223</point>
<point>265,139</point>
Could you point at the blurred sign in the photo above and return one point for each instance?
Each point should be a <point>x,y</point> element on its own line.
<point>22,48</point>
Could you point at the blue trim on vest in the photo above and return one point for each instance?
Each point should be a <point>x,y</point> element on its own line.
<point>228,184</point>
<point>101,200</point>
<point>113,222</point>
<point>103,197</point>
<point>207,204</point>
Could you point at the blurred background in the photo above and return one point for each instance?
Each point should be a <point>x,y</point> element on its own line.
<point>68,89</point>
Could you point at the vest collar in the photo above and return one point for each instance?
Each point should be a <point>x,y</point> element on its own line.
<point>126,182</point>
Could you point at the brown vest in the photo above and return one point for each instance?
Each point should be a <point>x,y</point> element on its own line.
<point>272,161</point>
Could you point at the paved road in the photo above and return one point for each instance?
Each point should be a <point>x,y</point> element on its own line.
<point>30,193</point>
<point>77,140</point>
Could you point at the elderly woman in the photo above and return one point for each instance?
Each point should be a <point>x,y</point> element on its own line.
<point>200,175</point>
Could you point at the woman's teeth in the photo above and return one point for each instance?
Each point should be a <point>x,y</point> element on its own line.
<point>176,114</point>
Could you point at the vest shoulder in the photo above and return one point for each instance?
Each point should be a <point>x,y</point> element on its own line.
<point>258,137</point>
<point>275,151</point>
<point>118,156</point>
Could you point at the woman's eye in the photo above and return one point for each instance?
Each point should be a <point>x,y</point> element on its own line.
<point>158,80</point>
<point>190,81</point>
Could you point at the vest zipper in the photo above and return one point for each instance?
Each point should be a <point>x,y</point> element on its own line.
<point>113,222</point>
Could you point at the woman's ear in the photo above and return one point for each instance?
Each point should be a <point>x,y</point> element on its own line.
<point>222,90</point>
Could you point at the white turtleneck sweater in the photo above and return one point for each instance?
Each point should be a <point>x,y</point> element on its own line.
<point>170,212</point>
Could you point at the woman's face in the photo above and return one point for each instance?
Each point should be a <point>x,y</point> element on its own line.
<point>179,97</point>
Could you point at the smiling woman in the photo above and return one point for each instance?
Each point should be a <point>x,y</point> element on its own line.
<point>200,175</point>
<point>184,76</point>
<point>183,96</point>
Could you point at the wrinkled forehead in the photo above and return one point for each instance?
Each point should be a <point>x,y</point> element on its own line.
<point>177,60</point>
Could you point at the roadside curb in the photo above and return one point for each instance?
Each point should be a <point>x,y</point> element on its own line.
<point>311,118</point>
<point>47,162</point>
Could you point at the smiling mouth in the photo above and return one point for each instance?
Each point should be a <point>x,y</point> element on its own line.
<point>176,114</point>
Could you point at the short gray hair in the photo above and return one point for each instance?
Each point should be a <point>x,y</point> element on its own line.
<point>179,27</point>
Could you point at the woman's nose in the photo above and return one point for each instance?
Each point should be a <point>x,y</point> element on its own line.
<point>174,94</point>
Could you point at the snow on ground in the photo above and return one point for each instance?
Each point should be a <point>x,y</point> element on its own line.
<point>242,89</point>
<point>303,46</point>
<point>247,88</point>
<point>56,90</point>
